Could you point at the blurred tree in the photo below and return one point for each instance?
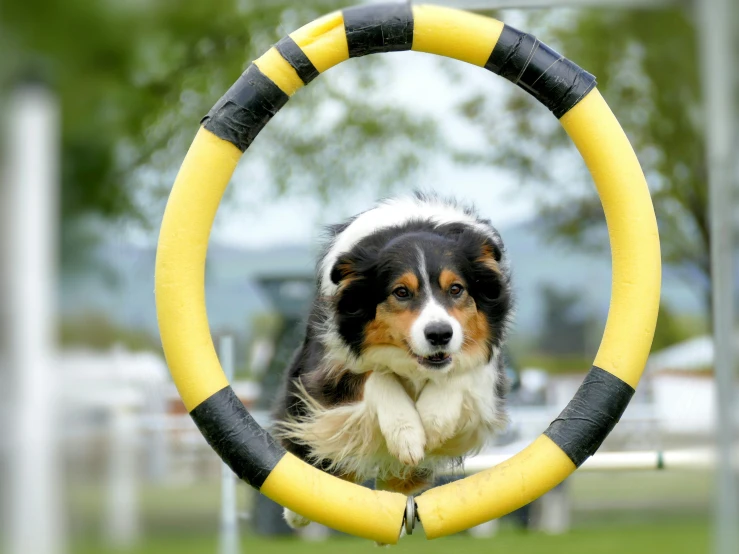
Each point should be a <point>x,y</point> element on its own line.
<point>135,77</point>
<point>673,328</point>
<point>566,322</point>
<point>646,65</point>
<point>99,332</point>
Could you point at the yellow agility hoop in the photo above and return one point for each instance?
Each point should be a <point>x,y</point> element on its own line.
<point>233,123</point>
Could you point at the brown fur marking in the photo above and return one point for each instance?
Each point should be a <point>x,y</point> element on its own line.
<point>488,259</point>
<point>393,320</point>
<point>415,482</point>
<point>347,275</point>
<point>391,326</point>
<point>409,281</point>
<point>447,278</point>
<point>475,325</point>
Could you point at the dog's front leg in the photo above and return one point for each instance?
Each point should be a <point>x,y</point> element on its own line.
<point>440,409</point>
<point>397,417</point>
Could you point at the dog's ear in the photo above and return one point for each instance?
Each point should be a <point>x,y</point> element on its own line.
<point>354,300</point>
<point>484,256</point>
<point>489,255</point>
<point>344,270</point>
<point>355,266</point>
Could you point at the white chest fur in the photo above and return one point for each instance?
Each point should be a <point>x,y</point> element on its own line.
<point>403,424</point>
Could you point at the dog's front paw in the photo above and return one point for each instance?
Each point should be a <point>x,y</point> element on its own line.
<point>296,521</point>
<point>438,430</point>
<point>407,443</point>
<point>439,411</point>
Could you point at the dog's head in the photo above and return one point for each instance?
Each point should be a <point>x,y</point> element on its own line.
<point>422,297</point>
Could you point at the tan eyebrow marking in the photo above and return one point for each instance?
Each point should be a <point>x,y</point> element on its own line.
<point>408,280</point>
<point>447,278</point>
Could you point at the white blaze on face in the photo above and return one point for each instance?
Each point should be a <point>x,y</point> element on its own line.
<point>433,312</point>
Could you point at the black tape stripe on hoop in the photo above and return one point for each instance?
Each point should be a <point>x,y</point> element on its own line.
<point>245,108</point>
<point>591,414</point>
<point>231,431</point>
<point>378,28</point>
<point>295,56</point>
<point>552,79</point>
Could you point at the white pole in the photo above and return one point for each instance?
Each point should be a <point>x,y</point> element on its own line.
<point>31,231</point>
<point>554,509</point>
<point>718,66</point>
<point>122,529</point>
<point>229,530</point>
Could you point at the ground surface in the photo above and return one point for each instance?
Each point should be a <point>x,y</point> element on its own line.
<point>618,513</point>
<point>686,538</point>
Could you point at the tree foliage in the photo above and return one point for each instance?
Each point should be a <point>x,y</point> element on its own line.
<point>673,328</point>
<point>646,66</point>
<point>135,77</point>
<point>566,322</point>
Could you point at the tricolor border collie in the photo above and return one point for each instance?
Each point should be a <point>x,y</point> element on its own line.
<point>400,370</point>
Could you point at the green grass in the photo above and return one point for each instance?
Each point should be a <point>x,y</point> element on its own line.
<point>665,488</point>
<point>620,512</point>
<point>682,538</point>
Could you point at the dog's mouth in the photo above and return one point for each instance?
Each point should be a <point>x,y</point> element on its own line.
<point>435,361</point>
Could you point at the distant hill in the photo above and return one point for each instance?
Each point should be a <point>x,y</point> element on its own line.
<point>123,285</point>
<point>536,263</point>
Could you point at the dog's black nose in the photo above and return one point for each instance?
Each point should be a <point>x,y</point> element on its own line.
<point>438,333</point>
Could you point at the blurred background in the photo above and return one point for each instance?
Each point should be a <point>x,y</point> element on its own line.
<point>99,103</point>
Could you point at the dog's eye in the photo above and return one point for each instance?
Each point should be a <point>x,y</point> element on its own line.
<point>402,293</point>
<point>456,290</point>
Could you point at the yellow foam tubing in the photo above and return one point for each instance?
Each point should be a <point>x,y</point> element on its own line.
<point>494,492</point>
<point>191,356</point>
<point>323,41</point>
<point>180,286</point>
<point>626,342</point>
<point>180,267</point>
<point>436,30</point>
<point>632,228</point>
<point>455,34</point>
<point>538,468</point>
<point>341,505</point>
<point>281,73</point>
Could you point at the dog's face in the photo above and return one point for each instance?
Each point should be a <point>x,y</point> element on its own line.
<point>428,298</point>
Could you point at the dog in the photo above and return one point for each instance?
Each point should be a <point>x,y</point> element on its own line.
<point>400,370</point>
